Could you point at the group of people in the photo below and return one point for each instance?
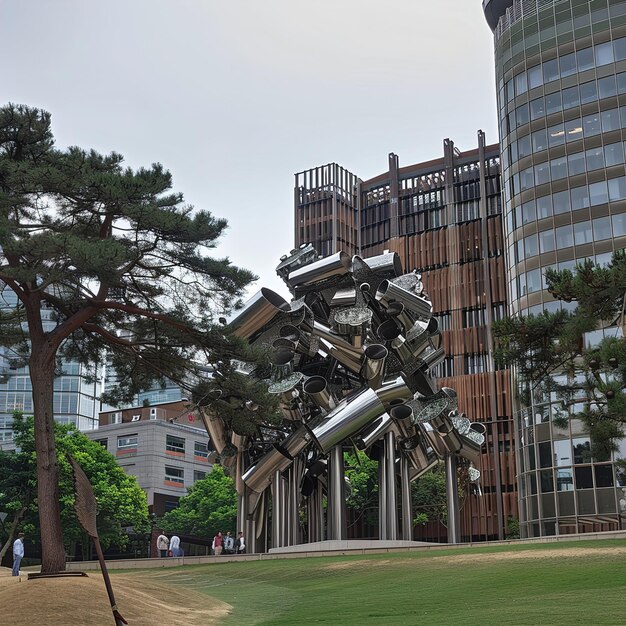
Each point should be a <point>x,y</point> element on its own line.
<point>169,547</point>
<point>227,544</point>
<point>222,544</point>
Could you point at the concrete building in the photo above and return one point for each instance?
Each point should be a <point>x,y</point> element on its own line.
<point>444,219</point>
<point>561,88</point>
<point>164,446</point>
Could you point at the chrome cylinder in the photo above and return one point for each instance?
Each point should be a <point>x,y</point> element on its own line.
<point>337,347</point>
<point>374,368</point>
<point>452,495</point>
<point>372,435</point>
<point>316,388</point>
<point>387,264</point>
<point>337,525</point>
<point>399,313</point>
<point>382,498</point>
<point>394,392</point>
<point>344,297</point>
<point>389,292</point>
<point>335,265</point>
<point>300,339</point>
<point>405,499</point>
<point>347,419</point>
<point>392,486</point>
<point>258,312</point>
<point>215,428</point>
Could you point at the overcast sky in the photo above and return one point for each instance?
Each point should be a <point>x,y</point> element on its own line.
<point>235,96</point>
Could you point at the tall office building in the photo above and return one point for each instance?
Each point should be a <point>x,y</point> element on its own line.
<point>443,218</point>
<point>76,387</point>
<point>561,89</point>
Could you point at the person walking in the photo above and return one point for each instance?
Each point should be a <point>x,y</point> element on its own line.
<point>18,554</point>
<point>163,544</point>
<point>240,544</point>
<point>175,546</point>
<point>218,543</point>
<point>229,544</point>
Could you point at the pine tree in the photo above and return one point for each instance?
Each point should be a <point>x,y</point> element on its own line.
<point>569,355</point>
<point>101,257</point>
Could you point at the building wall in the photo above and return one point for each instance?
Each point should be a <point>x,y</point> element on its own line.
<point>561,84</point>
<point>163,470</point>
<point>443,218</point>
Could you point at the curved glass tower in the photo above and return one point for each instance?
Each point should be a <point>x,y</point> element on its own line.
<point>561,88</point>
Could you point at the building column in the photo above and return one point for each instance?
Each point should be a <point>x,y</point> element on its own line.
<point>405,498</point>
<point>337,524</point>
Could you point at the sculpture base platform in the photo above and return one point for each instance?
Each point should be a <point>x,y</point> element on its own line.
<point>349,545</point>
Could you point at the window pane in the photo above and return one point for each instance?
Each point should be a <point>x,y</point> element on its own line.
<point>528,212</point>
<point>564,237</point>
<point>570,98</point>
<point>583,478</point>
<point>520,84</point>
<point>534,77</point>
<point>619,225</point>
<point>573,130</point>
<point>588,92</point>
<point>546,241</point>
<point>598,193</point>
<point>551,70</point>
<point>584,59</point>
<point>540,140</point>
<point>604,475</point>
<point>561,202</point>
<point>610,120</point>
<point>617,189</point>
<point>538,109</point>
<point>591,125</point>
<point>614,154</point>
<point>531,246</point>
<point>558,168</point>
<point>523,146</point>
<point>567,65</point>
<point>544,206</point>
<point>556,135</point>
<point>576,163</point>
<point>542,173</point>
<point>582,233</point>
<point>607,87</point>
<point>621,82</point>
<point>553,103</point>
<point>533,280</point>
<point>602,228</point>
<point>619,49</point>
<point>595,159</point>
<point>521,115</point>
<point>604,53</point>
<point>580,198</point>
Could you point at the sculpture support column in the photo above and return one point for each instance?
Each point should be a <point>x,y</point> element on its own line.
<point>337,525</point>
<point>392,486</point>
<point>406,504</point>
<point>452,494</point>
<point>277,509</point>
<point>382,497</point>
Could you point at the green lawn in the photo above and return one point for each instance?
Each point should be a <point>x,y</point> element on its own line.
<point>566,583</point>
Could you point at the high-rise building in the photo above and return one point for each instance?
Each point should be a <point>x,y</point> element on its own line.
<point>561,89</point>
<point>76,387</point>
<point>443,218</point>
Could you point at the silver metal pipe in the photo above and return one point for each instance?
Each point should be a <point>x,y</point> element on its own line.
<point>279,458</point>
<point>316,387</point>
<point>374,367</point>
<point>215,428</point>
<point>392,486</point>
<point>370,437</point>
<point>394,392</point>
<point>344,297</point>
<point>452,495</point>
<point>277,509</point>
<point>257,312</point>
<point>389,292</point>
<point>284,519</point>
<point>348,418</point>
<point>405,499</point>
<point>387,264</point>
<point>336,496</point>
<point>335,265</point>
<point>337,346</point>
<point>401,315</point>
<point>382,498</point>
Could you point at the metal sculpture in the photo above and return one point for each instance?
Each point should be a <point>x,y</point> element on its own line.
<point>352,357</point>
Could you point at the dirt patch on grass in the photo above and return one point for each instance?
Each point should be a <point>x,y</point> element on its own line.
<point>462,559</point>
<point>84,602</point>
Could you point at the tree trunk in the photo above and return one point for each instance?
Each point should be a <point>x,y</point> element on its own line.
<point>42,378</point>
<point>14,523</point>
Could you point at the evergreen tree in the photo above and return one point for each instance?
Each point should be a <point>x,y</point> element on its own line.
<point>102,257</point>
<point>568,355</point>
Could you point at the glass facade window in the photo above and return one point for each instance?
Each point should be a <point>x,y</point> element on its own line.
<point>175,444</point>
<point>546,241</point>
<point>619,224</point>
<point>564,237</point>
<point>582,233</point>
<point>602,228</point>
<point>175,475</point>
<point>129,441</point>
